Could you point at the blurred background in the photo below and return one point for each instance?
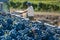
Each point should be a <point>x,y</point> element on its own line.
<point>47,10</point>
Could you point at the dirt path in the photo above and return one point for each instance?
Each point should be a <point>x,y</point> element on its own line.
<point>44,14</point>
<point>48,13</point>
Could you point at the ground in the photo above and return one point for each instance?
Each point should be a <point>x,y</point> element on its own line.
<point>43,15</point>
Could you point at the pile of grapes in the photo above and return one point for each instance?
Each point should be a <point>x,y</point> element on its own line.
<point>15,28</point>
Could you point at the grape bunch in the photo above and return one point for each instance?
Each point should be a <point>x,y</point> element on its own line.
<point>16,28</point>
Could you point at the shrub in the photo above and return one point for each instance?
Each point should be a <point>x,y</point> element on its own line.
<point>24,5</point>
<point>55,7</point>
<point>40,6</point>
<point>12,4</point>
<point>34,6</point>
<point>18,4</point>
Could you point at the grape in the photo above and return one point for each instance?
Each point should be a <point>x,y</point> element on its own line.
<point>16,28</point>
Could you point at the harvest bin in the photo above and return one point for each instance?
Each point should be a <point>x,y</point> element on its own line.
<point>4,6</point>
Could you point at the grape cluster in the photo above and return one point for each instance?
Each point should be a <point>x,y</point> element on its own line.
<point>15,28</point>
